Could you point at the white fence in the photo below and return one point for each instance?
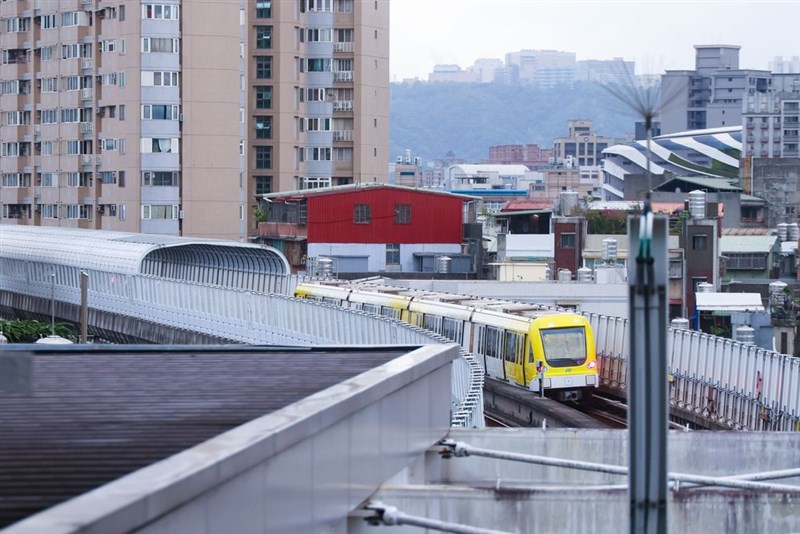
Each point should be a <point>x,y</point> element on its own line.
<point>738,385</point>
<point>243,316</point>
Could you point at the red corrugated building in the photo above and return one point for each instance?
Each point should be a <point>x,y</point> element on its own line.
<point>368,228</point>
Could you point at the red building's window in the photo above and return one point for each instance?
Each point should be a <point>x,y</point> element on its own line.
<point>361,214</point>
<point>402,213</point>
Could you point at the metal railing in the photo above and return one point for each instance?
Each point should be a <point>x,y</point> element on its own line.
<point>243,316</point>
<point>735,384</point>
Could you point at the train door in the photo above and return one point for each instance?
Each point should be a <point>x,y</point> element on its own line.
<point>491,346</point>
<point>513,355</point>
<point>415,318</point>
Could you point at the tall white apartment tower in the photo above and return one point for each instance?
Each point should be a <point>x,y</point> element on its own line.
<point>168,117</point>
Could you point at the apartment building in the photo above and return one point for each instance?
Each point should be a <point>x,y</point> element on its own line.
<point>581,147</point>
<point>711,95</point>
<point>169,117</point>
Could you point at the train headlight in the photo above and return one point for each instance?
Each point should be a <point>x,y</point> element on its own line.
<point>591,365</point>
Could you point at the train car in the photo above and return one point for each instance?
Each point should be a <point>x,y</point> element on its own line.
<point>548,351</point>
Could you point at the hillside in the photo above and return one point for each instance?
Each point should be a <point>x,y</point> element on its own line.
<point>432,119</point>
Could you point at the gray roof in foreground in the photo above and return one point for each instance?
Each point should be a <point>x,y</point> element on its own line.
<point>83,419</point>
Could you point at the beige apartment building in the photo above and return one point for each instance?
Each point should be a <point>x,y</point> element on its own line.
<point>169,117</point>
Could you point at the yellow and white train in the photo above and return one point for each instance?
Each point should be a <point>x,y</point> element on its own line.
<point>538,348</point>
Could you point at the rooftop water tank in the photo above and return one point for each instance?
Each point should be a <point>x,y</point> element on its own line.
<point>680,323</point>
<point>443,264</point>
<point>609,250</point>
<point>569,202</point>
<point>697,204</point>
<point>584,274</point>
<point>794,232</point>
<point>564,275</point>
<point>54,340</point>
<point>783,231</point>
<point>746,335</point>
<point>705,287</point>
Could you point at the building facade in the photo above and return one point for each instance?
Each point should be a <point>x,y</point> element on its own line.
<point>712,94</point>
<point>367,228</point>
<point>529,155</point>
<point>168,117</point>
<point>581,147</point>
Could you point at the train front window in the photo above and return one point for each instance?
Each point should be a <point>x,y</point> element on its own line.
<point>564,347</point>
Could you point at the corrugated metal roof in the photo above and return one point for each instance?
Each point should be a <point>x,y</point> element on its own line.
<point>747,243</point>
<point>522,205</point>
<point>90,418</point>
<point>349,188</point>
<point>729,302</point>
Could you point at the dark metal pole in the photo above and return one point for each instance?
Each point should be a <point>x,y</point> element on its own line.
<point>84,307</point>
<point>647,380</point>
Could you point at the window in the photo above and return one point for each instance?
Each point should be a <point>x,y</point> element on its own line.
<point>315,94</point>
<point>319,35</point>
<point>169,45</point>
<point>263,9</point>
<point>402,213</point>
<point>318,153</point>
<point>263,97</point>
<point>361,214</point>
<point>318,124</point>
<point>318,64</point>
<point>263,157</point>
<point>17,25</point>
<point>747,261</point>
<point>318,5</point>
<point>69,19</point>
<point>153,145</point>
<point>344,154</point>
<point>48,179</point>
<point>48,21</point>
<point>49,211</point>
<point>79,211</point>
<point>159,11</point>
<point>49,116</point>
<point>263,127</point>
<point>108,145</point>
<point>392,255</point>
<point>263,37</point>
<point>159,79</point>
<point>263,185</point>
<point>263,67</point>
<point>107,177</point>
<point>700,242</point>
<point>315,182</point>
<point>568,240</point>
<point>157,211</point>
<point>170,112</point>
<point>160,178</point>
<point>79,179</point>
<point>49,85</point>
<point>344,6</point>
<point>344,35</point>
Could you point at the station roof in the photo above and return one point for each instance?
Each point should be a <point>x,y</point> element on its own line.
<point>131,253</point>
<point>83,416</point>
<point>700,182</point>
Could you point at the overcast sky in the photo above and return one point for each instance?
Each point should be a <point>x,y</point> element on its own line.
<point>658,35</point>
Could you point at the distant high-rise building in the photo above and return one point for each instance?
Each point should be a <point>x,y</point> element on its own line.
<point>581,147</point>
<point>530,155</point>
<point>785,66</point>
<point>543,68</point>
<point>606,72</point>
<point>169,117</point>
<point>452,73</point>
<point>712,94</point>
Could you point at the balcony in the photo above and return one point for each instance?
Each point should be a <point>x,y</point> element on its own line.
<point>343,47</point>
<point>86,127</point>
<point>750,125</point>
<point>86,93</point>
<point>343,76</point>
<point>87,63</point>
<point>343,105</point>
<point>764,125</point>
<point>276,230</point>
<point>342,135</point>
